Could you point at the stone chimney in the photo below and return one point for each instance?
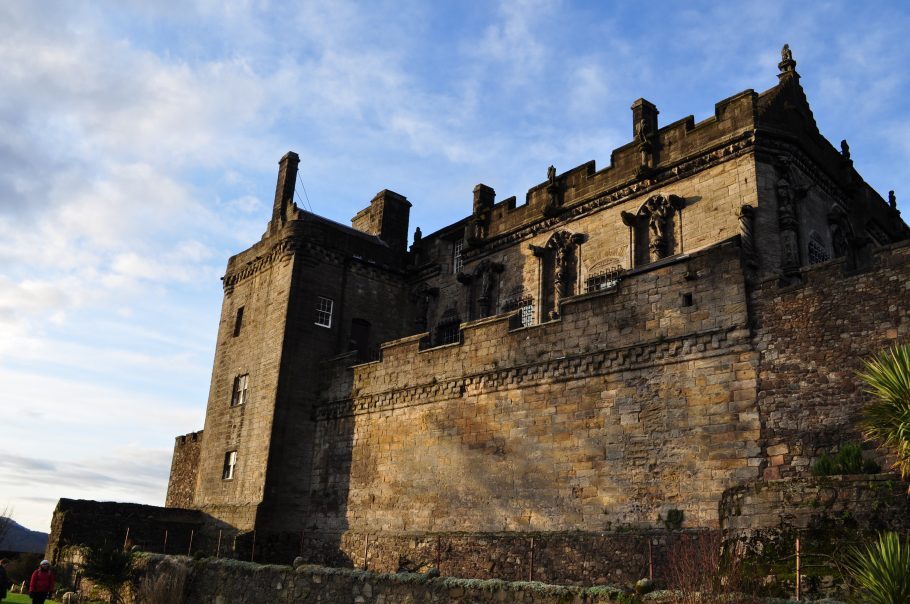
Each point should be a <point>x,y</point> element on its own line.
<point>284,190</point>
<point>386,217</point>
<point>644,118</point>
<point>484,197</point>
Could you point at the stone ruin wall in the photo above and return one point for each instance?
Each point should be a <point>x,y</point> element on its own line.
<point>181,486</point>
<point>630,405</point>
<point>94,523</point>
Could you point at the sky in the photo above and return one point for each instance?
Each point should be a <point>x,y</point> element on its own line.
<point>139,144</point>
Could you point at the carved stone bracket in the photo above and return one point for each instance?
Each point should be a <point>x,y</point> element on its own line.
<point>746,216</point>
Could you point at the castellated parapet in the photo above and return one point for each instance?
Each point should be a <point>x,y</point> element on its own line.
<point>631,344</point>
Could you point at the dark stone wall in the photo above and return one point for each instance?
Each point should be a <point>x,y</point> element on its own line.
<point>95,523</point>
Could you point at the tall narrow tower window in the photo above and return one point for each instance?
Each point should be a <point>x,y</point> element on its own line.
<point>241,390</point>
<point>238,322</point>
<point>324,311</point>
<point>230,461</point>
<point>457,263</point>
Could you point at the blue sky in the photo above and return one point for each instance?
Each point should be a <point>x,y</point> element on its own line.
<point>139,144</point>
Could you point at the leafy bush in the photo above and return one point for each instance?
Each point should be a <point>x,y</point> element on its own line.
<point>882,571</point>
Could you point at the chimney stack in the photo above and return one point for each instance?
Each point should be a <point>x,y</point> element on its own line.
<point>284,190</point>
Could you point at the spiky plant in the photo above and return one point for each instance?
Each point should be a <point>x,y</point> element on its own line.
<point>887,419</point>
<point>881,571</point>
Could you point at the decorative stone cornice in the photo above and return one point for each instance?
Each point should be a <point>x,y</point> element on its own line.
<point>700,344</point>
<point>282,250</point>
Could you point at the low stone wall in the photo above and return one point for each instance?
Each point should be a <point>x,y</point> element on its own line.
<point>866,501</point>
<point>233,582</point>
<point>827,515</point>
<point>567,558</point>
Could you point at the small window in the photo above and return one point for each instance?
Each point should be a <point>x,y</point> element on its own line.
<point>457,263</point>
<point>687,299</point>
<point>817,251</point>
<point>241,390</point>
<point>230,461</point>
<point>238,322</point>
<point>324,311</point>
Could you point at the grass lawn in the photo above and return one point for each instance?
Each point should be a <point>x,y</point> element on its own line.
<point>20,599</point>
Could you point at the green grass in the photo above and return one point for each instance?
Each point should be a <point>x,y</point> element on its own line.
<point>21,599</point>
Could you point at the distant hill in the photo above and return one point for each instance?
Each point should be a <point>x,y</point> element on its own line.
<point>21,539</point>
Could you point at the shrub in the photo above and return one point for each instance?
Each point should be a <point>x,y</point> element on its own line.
<point>881,571</point>
<point>824,466</point>
<point>849,460</point>
<point>108,567</point>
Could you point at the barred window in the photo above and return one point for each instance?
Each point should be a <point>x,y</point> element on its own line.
<point>525,306</point>
<point>604,279</point>
<point>230,461</point>
<point>817,251</point>
<point>457,263</point>
<point>448,334</point>
<point>324,311</point>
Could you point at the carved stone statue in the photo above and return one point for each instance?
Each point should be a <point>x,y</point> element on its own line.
<point>644,143</point>
<point>892,200</point>
<point>562,245</point>
<point>845,149</point>
<point>417,235</point>
<point>553,192</point>
<point>787,65</point>
<point>422,297</point>
<point>659,210</point>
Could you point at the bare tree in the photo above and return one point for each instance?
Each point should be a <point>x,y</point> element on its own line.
<point>6,522</point>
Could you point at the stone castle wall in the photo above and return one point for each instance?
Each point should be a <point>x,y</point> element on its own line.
<point>812,339</point>
<point>637,401</point>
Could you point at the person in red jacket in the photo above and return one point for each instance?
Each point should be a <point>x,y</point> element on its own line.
<point>41,586</point>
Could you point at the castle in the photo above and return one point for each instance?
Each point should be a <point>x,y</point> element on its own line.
<point>625,347</point>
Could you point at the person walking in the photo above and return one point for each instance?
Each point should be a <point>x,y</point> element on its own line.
<point>41,587</point>
<point>5,583</point>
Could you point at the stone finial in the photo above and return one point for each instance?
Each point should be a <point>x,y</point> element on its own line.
<point>551,174</point>
<point>892,200</point>
<point>845,149</point>
<point>787,65</point>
